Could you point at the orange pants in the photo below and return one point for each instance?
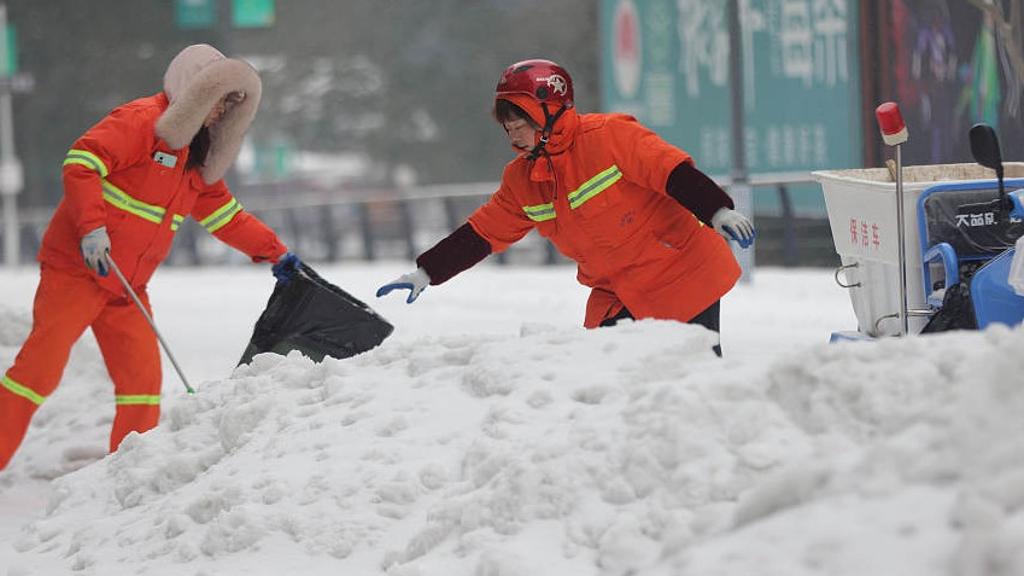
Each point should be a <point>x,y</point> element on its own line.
<point>65,305</point>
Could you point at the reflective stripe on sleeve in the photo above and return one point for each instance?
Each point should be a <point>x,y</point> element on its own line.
<point>221,216</point>
<point>137,399</point>
<point>87,159</point>
<point>23,391</point>
<point>540,212</point>
<point>594,186</point>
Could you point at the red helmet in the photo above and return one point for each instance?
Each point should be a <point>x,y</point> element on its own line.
<point>542,80</point>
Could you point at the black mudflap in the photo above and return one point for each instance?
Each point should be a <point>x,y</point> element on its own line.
<point>315,317</point>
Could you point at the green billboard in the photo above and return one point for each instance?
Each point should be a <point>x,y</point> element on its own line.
<point>667,62</point>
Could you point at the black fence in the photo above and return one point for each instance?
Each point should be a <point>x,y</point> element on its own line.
<point>384,224</point>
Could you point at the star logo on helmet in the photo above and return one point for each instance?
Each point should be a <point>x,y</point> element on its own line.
<point>557,83</point>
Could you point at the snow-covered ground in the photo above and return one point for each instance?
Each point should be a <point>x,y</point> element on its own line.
<point>491,436</point>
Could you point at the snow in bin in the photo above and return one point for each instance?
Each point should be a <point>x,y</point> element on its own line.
<point>924,173</point>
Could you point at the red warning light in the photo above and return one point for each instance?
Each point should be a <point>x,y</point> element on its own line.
<point>890,122</point>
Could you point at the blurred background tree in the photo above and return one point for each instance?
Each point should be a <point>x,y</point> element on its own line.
<point>398,83</point>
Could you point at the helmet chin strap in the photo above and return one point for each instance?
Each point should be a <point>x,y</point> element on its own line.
<point>545,134</point>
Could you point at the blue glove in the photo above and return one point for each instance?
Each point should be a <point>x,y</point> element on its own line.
<point>95,250</point>
<point>286,268</point>
<point>734,226</point>
<point>414,282</point>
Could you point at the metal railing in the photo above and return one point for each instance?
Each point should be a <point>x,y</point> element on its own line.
<point>369,224</point>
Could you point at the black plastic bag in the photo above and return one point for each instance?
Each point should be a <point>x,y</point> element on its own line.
<point>315,317</point>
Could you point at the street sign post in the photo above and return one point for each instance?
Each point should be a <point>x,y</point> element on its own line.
<point>11,179</point>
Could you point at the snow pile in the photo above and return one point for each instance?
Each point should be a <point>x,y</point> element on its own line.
<point>14,327</point>
<point>562,451</point>
<point>916,464</point>
<point>75,423</point>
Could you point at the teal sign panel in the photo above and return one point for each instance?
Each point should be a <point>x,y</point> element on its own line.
<point>195,14</point>
<point>252,13</point>
<point>9,66</point>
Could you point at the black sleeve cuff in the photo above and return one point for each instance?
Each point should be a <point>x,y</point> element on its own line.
<point>696,192</point>
<point>460,250</point>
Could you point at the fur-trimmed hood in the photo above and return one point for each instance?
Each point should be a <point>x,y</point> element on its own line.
<point>197,78</point>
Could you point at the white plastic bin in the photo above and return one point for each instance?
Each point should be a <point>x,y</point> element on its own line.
<point>861,206</point>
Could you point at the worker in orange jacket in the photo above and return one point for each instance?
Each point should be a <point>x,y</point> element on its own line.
<point>129,182</point>
<point>632,210</point>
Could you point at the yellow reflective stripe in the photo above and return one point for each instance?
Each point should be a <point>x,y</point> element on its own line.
<point>23,391</point>
<point>87,159</point>
<point>137,400</point>
<point>221,216</point>
<point>83,161</point>
<point>594,186</point>
<point>540,212</point>
<point>119,199</point>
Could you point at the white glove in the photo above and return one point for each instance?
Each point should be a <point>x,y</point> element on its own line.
<point>415,282</point>
<point>734,226</point>
<point>95,250</point>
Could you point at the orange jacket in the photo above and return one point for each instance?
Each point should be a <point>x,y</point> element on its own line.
<point>119,174</point>
<point>599,196</point>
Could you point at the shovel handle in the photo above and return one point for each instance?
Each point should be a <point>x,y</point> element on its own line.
<point>159,337</point>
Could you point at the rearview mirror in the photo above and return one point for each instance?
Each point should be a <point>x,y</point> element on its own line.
<point>985,149</point>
